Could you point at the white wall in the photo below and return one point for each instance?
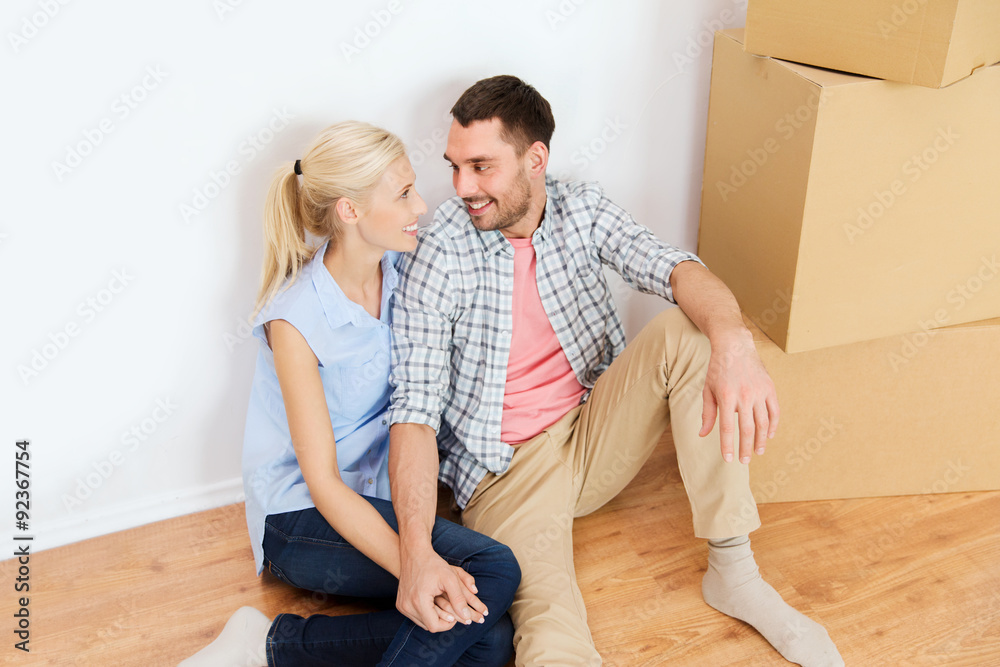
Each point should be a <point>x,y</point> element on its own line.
<point>160,350</point>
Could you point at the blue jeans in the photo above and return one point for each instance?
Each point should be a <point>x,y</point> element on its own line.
<point>301,549</point>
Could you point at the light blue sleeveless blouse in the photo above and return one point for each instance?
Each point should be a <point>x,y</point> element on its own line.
<point>353,352</point>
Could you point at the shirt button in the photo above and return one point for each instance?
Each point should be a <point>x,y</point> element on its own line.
<point>385,421</point>
<point>504,333</point>
<point>371,481</point>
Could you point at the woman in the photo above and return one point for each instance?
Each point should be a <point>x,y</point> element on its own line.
<point>315,459</point>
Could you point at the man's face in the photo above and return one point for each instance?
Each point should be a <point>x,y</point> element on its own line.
<point>488,175</point>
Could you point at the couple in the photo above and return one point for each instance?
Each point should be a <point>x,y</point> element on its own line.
<point>509,363</point>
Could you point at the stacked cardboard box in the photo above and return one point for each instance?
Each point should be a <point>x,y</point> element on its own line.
<point>902,415</point>
<point>926,42</point>
<point>840,208</point>
<point>853,218</point>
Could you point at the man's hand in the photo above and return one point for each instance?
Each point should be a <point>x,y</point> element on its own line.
<point>477,609</point>
<point>436,595</point>
<point>737,384</point>
<point>432,593</point>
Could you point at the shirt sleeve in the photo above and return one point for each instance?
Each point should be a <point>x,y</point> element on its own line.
<point>421,336</point>
<point>633,251</point>
<point>297,305</point>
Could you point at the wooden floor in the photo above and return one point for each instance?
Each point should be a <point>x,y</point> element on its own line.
<point>896,581</point>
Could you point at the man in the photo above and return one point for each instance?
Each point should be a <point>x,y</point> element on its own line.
<point>510,357</point>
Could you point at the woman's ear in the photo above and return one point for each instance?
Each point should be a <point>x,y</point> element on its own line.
<point>347,211</point>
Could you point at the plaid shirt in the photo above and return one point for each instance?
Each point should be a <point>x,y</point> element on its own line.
<point>452,316</point>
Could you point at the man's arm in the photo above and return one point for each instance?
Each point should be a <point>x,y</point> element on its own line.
<point>413,467</point>
<point>421,311</point>
<point>736,382</point>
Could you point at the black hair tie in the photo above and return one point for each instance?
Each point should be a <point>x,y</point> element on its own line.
<point>298,167</point>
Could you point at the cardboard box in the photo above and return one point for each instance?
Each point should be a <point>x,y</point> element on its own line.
<point>928,42</point>
<point>840,208</point>
<point>904,415</point>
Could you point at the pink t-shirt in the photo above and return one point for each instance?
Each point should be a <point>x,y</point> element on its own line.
<point>541,385</point>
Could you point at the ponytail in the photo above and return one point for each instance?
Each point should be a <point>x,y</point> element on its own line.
<point>285,247</point>
<point>347,160</point>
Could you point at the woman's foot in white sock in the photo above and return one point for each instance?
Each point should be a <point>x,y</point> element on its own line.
<point>733,585</point>
<point>242,643</point>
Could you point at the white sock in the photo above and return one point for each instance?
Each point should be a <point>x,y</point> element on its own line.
<point>733,585</point>
<point>242,643</point>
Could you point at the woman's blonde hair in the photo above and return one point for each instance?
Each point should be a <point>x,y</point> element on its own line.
<point>347,160</point>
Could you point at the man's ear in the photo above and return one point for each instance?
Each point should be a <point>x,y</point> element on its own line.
<point>347,211</point>
<point>536,159</point>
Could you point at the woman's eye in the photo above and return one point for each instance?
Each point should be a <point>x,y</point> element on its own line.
<point>405,194</point>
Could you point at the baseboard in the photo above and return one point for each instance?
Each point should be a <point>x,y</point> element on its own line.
<point>50,535</point>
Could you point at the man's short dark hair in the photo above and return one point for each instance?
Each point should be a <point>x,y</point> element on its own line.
<point>525,115</point>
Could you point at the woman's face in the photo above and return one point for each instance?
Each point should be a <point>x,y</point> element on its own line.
<point>390,221</point>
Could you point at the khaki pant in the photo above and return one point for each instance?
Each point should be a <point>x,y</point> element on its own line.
<point>583,460</point>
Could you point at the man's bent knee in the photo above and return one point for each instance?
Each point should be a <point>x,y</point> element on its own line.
<point>677,331</point>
